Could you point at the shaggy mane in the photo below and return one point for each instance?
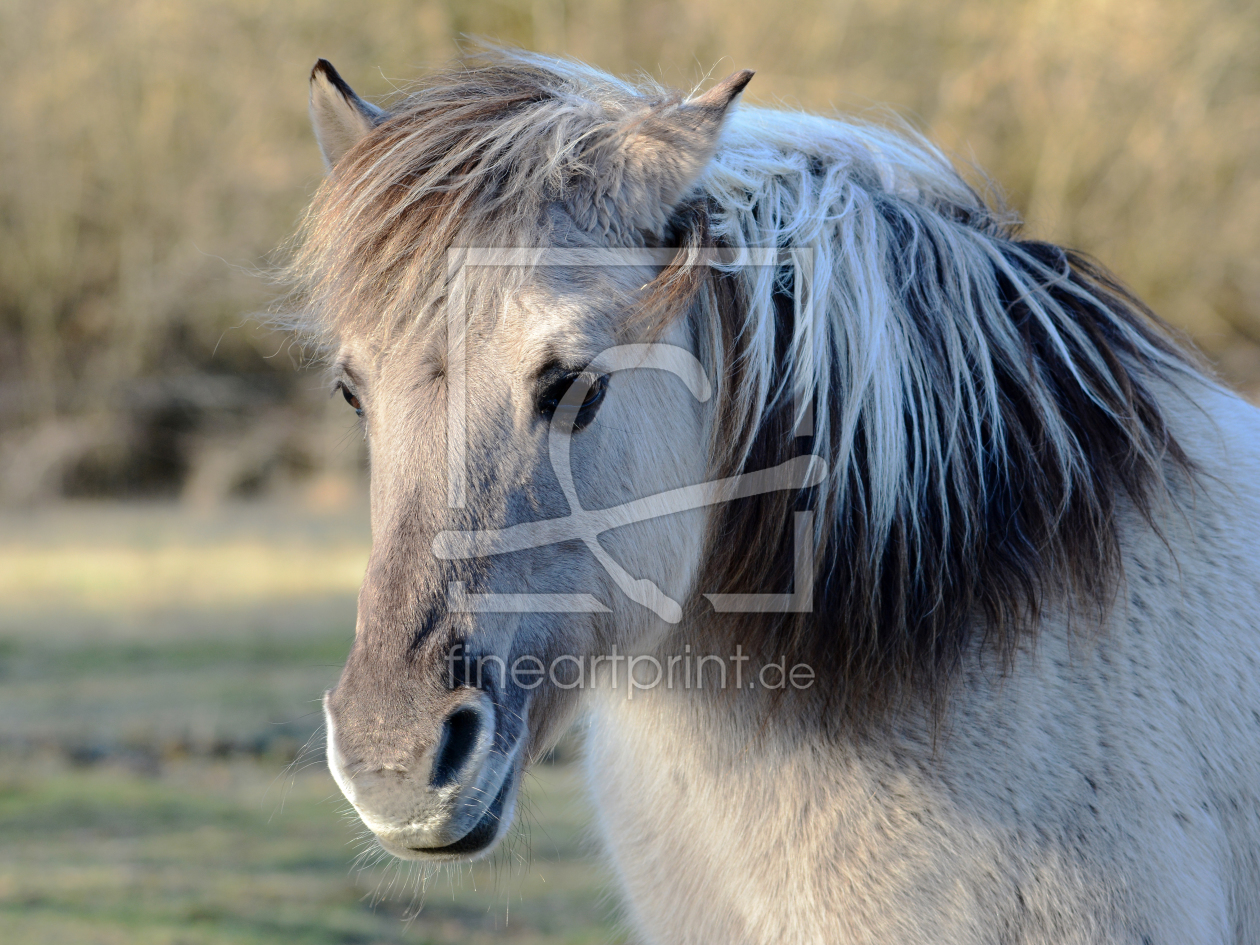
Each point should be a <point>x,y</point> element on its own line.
<point>985,403</point>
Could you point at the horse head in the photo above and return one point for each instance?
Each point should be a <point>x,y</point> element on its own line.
<point>500,393</point>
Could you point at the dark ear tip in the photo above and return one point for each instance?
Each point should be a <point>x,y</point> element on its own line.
<point>721,94</point>
<point>323,69</point>
<point>739,80</point>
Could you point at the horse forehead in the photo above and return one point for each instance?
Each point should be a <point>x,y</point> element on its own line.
<point>548,322</point>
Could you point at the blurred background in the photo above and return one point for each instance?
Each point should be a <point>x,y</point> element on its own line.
<point>182,514</point>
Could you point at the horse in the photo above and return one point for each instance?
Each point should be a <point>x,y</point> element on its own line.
<point>903,571</point>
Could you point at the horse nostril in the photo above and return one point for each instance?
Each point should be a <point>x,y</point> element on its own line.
<point>459,739</point>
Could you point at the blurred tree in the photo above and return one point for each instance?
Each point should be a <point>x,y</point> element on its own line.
<point>154,154</point>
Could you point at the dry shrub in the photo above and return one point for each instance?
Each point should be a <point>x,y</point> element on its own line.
<point>153,154</point>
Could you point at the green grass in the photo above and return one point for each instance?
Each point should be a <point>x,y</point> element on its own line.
<point>250,686</point>
<point>219,851</point>
<point>153,626</point>
<point>145,795</point>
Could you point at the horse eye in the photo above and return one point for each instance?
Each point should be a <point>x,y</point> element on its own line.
<point>577,395</point>
<point>351,398</point>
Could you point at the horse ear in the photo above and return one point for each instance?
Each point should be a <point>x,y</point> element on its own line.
<point>339,116</point>
<point>655,160</point>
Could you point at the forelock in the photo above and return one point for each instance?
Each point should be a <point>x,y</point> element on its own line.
<point>474,156</point>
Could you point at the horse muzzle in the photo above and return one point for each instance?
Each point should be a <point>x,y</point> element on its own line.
<point>452,801</point>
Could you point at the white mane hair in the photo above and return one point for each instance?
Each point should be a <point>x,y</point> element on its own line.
<point>983,401</point>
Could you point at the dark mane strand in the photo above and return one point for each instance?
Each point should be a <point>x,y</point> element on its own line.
<point>1023,517</point>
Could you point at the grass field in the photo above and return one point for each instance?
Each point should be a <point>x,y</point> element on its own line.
<point>159,673</point>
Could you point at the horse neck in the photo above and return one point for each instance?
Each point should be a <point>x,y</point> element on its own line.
<point>737,705</point>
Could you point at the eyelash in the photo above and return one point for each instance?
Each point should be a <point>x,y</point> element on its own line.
<point>350,396</point>
<point>556,384</point>
<point>550,399</point>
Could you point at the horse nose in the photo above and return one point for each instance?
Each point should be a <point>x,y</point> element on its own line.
<point>417,798</point>
<point>463,732</point>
